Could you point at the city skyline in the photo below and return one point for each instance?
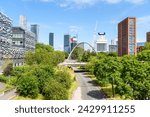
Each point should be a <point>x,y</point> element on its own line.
<point>79,16</point>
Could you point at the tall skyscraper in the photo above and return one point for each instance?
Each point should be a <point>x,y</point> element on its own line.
<point>23,22</point>
<point>51,39</point>
<point>101,43</point>
<point>73,42</point>
<point>127,37</point>
<point>148,36</point>
<point>67,43</point>
<point>35,30</point>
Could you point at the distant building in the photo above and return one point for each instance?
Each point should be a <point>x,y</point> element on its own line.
<point>113,47</point>
<point>127,37</point>
<point>148,36</point>
<point>101,43</point>
<point>23,39</point>
<point>67,43</point>
<point>51,39</point>
<point>140,46</point>
<point>23,22</point>
<point>35,30</point>
<point>73,42</point>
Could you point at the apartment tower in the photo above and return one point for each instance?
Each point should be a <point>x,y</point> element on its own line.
<point>148,36</point>
<point>127,37</point>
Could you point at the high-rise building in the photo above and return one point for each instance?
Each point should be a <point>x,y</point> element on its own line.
<point>5,35</point>
<point>73,42</point>
<point>113,46</point>
<point>148,36</point>
<point>127,37</point>
<point>23,22</point>
<point>51,39</point>
<point>67,43</point>
<point>35,30</point>
<point>101,43</point>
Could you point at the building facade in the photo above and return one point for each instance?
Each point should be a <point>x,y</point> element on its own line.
<point>23,22</point>
<point>5,36</point>
<point>51,39</point>
<point>35,30</point>
<point>67,43</point>
<point>127,37</point>
<point>23,39</point>
<point>148,36</point>
<point>101,43</point>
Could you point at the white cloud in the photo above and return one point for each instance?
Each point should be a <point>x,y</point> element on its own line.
<point>135,1</point>
<point>74,29</point>
<point>86,3</point>
<point>113,1</point>
<point>144,22</point>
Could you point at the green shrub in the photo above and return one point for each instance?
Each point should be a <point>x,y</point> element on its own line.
<point>54,90</point>
<point>27,85</point>
<point>8,70</point>
<point>64,78</point>
<point>3,79</point>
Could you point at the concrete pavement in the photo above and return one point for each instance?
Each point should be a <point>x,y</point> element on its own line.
<point>87,89</point>
<point>8,95</point>
<point>2,85</point>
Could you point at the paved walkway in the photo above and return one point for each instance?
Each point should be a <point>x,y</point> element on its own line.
<point>87,89</point>
<point>2,85</point>
<point>9,95</point>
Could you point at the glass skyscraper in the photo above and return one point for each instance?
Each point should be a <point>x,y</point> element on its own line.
<point>35,30</point>
<point>51,39</point>
<point>67,43</point>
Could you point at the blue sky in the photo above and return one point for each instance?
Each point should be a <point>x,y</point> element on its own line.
<point>79,16</point>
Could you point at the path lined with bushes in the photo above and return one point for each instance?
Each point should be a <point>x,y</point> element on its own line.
<point>87,89</point>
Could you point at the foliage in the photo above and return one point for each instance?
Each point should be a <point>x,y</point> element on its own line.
<point>42,73</point>
<point>63,76</point>
<point>3,79</point>
<point>144,55</point>
<point>146,46</point>
<point>54,90</point>
<point>130,77</point>
<point>27,85</point>
<point>77,53</point>
<point>47,48</point>
<point>8,70</point>
<point>44,54</point>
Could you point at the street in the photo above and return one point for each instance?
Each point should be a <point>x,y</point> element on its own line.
<point>87,88</point>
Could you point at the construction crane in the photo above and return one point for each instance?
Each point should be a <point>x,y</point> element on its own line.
<point>95,35</point>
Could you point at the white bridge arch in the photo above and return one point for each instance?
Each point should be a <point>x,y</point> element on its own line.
<point>69,57</point>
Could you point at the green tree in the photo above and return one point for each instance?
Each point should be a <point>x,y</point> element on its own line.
<point>8,70</point>
<point>27,85</point>
<point>146,46</point>
<point>144,55</point>
<point>63,77</point>
<point>54,90</point>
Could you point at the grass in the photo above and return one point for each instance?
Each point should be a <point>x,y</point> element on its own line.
<point>39,97</point>
<point>8,87</point>
<point>107,89</point>
<point>73,85</point>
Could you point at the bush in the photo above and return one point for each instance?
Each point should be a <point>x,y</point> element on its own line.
<point>27,85</point>
<point>3,79</point>
<point>64,78</point>
<point>42,74</point>
<point>18,71</point>
<point>54,90</point>
<point>8,70</point>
